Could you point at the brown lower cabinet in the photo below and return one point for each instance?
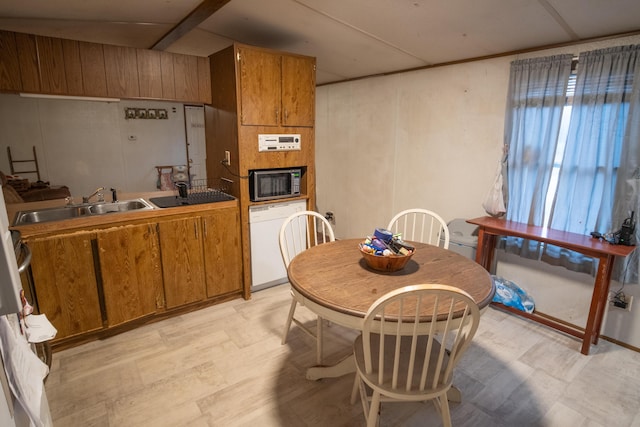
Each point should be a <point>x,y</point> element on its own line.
<point>65,282</point>
<point>182,261</point>
<point>87,282</point>
<point>131,272</point>
<point>197,254</point>
<point>221,234</point>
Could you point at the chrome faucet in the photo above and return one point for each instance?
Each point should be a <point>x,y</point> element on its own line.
<point>98,192</point>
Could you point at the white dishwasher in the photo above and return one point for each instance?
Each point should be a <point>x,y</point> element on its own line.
<point>265,221</point>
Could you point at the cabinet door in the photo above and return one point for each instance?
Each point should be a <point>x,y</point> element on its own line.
<point>149,74</point>
<point>259,87</point>
<point>222,254</point>
<point>94,79</point>
<point>121,70</point>
<point>130,270</point>
<point>72,67</point>
<point>185,69</point>
<point>52,72</point>
<point>28,59</point>
<point>65,282</point>
<point>9,64</point>
<point>182,264</point>
<point>298,91</point>
<point>204,80</point>
<point>168,76</point>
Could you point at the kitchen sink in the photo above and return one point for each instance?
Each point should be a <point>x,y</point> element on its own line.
<point>124,206</point>
<point>77,211</point>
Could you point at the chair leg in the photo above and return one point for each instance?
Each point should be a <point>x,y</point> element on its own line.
<point>319,341</point>
<point>287,325</point>
<point>372,419</point>
<point>444,410</point>
<point>354,390</point>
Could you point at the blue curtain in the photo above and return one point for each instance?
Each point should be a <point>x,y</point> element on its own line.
<point>597,181</point>
<point>537,95</point>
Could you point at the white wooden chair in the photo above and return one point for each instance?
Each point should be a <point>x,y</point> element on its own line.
<point>299,232</point>
<point>420,225</point>
<point>412,358</point>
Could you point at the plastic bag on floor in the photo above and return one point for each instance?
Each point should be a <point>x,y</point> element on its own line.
<point>511,295</point>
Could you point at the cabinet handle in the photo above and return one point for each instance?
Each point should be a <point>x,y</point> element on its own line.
<point>195,229</point>
<point>204,229</point>
<point>277,115</point>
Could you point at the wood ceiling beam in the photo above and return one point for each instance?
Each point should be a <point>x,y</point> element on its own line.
<point>191,21</point>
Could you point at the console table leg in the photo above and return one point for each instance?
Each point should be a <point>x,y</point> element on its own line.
<point>598,301</point>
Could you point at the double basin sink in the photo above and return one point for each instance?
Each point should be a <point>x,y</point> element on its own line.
<point>78,211</point>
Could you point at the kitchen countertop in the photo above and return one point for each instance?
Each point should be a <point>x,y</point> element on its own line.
<point>99,221</point>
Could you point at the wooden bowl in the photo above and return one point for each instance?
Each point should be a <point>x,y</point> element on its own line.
<point>385,263</point>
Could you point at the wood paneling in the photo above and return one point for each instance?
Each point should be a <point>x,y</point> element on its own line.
<point>28,60</point>
<point>9,64</point>
<point>94,79</point>
<point>121,69</point>
<point>149,73</point>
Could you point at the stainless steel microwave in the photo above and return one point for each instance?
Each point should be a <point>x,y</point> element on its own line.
<point>272,184</point>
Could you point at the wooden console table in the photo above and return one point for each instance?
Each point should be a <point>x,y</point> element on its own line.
<point>489,228</point>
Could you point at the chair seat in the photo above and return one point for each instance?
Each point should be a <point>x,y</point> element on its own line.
<point>399,391</point>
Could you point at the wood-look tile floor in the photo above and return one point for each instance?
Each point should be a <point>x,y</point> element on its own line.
<point>225,366</point>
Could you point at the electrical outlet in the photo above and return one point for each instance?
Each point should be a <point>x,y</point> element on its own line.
<point>227,158</point>
<point>622,302</point>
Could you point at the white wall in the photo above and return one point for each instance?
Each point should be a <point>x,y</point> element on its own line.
<point>431,138</point>
<point>88,144</point>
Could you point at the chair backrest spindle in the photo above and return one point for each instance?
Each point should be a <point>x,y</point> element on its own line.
<point>421,225</point>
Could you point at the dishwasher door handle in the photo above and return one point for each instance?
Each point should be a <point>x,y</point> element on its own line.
<point>27,258</point>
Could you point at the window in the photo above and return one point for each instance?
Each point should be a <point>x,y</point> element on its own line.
<point>573,135</point>
<point>562,142</point>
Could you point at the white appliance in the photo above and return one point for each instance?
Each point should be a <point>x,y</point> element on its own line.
<point>265,221</point>
<point>278,142</point>
<point>21,371</point>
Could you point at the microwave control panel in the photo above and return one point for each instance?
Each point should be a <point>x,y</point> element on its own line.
<point>278,142</point>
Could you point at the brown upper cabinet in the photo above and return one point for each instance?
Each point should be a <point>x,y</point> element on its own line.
<point>121,69</point>
<point>49,65</point>
<point>9,63</point>
<point>94,78</point>
<point>18,62</point>
<point>60,66</point>
<point>52,65</point>
<point>149,69</point>
<point>276,89</point>
<point>185,69</point>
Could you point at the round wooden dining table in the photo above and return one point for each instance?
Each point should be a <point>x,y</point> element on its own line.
<point>334,281</point>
